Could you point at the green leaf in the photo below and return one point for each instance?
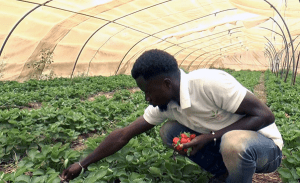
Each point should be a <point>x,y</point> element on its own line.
<point>286,173</point>
<point>292,160</point>
<point>109,159</point>
<point>90,179</point>
<point>119,173</point>
<point>146,152</point>
<point>40,179</point>
<point>294,174</point>
<point>23,178</point>
<point>129,158</point>
<point>155,171</point>
<point>53,178</point>
<point>38,172</point>
<point>14,122</point>
<point>20,171</point>
<point>66,163</point>
<point>101,173</point>
<point>170,167</point>
<point>189,169</point>
<point>133,176</point>
<point>298,171</point>
<point>32,154</point>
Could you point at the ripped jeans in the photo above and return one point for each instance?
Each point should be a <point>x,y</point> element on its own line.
<point>240,152</point>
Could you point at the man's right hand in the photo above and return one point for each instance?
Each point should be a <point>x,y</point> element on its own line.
<point>71,172</point>
<point>111,144</point>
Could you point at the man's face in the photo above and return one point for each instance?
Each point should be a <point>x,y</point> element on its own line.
<point>157,91</point>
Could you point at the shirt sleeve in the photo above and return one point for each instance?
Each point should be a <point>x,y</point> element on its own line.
<point>224,91</point>
<point>153,115</point>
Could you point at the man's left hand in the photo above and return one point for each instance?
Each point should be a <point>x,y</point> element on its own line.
<point>197,143</point>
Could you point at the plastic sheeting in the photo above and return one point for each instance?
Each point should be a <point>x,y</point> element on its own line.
<point>102,37</point>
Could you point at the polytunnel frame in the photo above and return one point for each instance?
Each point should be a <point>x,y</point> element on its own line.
<point>297,59</point>
<point>274,55</point>
<point>271,50</point>
<point>286,62</point>
<point>189,41</point>
<point>215,13</point>
<point>203,37</point>
<point>108,21</point>
<point>208,46</point>
<point>16,25</point>
<point>270,56</point>
<point>100,48</point>
<point>217,54</point>
<point>113,21</point>
<point>286,47</point>
<point>175,54</point>
<point>283,37</point>
<point>267,54</point>
<point>200,49</point>
<point>44,4</point>
<point>206,53</point>
<point>293,51</point>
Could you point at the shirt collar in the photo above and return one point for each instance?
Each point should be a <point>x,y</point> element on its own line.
<point>185,100</point>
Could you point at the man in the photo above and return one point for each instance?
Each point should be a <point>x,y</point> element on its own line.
<point>236,133</point>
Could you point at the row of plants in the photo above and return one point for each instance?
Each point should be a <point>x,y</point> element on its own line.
<point>38,141</point>
<point>17,94</point>
<point>62,120</point>
<point>284,101</point>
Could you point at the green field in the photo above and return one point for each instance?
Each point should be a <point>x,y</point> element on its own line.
<point>38,143</point>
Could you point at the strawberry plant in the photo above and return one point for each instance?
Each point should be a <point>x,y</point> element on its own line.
<point>286,109</point>
<point>38,140</point>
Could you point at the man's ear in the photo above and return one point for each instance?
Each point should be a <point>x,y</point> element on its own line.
<point>168,82</point>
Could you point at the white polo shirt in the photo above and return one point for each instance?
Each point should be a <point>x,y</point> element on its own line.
<point>208,101</point>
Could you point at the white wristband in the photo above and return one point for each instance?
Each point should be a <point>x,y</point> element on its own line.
<point>80,165</point>
<point>215,139</point>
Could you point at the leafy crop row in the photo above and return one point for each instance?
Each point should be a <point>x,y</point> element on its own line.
<point>13,93</point>
<point>284,101</point>
<point>39,140</point>
<point>62,120</point>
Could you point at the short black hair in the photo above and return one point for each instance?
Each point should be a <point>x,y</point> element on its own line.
<point>153,63</point>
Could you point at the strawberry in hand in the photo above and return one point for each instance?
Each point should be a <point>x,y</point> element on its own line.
<point>183,139</point>
<point>192,136</point>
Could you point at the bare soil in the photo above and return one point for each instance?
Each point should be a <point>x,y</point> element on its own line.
<point>109,95</point>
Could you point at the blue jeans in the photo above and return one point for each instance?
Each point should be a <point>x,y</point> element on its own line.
<point>240,152</point>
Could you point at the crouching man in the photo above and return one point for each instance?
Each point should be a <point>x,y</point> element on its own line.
<point>236,133</point>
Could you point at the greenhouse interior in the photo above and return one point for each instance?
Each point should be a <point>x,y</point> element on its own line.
<point>66,83</point>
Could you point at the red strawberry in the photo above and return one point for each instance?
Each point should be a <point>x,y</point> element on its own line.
<point>175,140</point>
<point>184,140</point>
<point>183,135</point>
<point>192,136</point>
<point>185,150</point>
<point>178,148</point>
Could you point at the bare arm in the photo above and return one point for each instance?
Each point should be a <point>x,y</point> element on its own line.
<point>111,144</point>
<point>116,140</point>
<point>257,116</point>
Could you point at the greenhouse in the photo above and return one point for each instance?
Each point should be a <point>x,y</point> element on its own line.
<point>67,84</point>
